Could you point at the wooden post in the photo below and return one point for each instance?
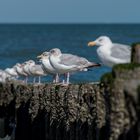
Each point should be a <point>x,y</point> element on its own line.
<point>76,112</point>
<point>135,53</point>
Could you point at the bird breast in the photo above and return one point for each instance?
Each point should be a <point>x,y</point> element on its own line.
<point>60,68</point>
<point>47,66</point>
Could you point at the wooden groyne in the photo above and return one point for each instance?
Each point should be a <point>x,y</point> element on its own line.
<point>87,111</point>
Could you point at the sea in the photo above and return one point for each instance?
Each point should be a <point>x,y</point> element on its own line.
<point>21,42</point>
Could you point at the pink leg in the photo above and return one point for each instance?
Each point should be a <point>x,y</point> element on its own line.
<point>39,79</point>
<point>68,78</point>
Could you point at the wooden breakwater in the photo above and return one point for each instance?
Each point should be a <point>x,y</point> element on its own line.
<point>106,111</point>
<point>76,112</point>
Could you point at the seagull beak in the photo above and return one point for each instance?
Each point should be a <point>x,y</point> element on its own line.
<point>39,56</point>
<point>92,43</point>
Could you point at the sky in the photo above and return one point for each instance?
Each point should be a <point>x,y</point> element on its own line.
<point>69,11</point>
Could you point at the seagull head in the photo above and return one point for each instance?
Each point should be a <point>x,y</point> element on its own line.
<point>18,66</point>
<point>100,41</point>
<point>55,52</point>
<point>31,62</point>
<point>44,55</point>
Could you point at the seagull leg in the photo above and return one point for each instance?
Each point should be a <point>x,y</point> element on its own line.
<point>65,77</point>
<point>68,78</point>
<point>26,79</point>
<point>64,80</point>
<point>54,79</point>
<point>39,79</point>
<point>57,78</point>
<point>34,79</point>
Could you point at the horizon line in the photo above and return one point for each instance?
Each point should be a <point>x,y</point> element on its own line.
<point>70,23</point>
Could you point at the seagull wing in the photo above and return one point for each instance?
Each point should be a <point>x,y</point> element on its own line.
<point>69,59</point>
<point>121,51</point>
<point>36,69</point>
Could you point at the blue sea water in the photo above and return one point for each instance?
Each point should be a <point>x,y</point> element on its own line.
<point>20,42</point>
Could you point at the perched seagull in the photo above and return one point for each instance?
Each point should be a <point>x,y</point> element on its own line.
<point>44,59</point>
<point>19,70</point>
<point>37,70</point>
<point>26,66</point>
<point>1,76</point>
<point>67,63</point>
<point>12,72</point>
<point>111,53</point>
<point>4,76</point>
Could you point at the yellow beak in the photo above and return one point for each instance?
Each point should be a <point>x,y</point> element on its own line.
<point>39,56</point>
<point>92,43</point>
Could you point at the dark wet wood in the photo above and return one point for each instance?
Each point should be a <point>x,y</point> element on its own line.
<point>76,112</point>
<point>136,53</point>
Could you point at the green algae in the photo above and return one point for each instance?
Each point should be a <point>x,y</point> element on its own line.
<point>107,78</point>
<point>128,66</point>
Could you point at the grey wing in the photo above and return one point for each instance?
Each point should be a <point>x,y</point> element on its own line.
<point>121,51</point>
<point>69,59</point>
<point>37,68</point>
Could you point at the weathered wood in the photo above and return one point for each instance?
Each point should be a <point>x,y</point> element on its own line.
<point>135,53</point>
<point>76,112</point>
<point>2,127</point>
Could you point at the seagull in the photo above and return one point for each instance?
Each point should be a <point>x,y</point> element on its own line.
<point>12,72</point>
<point>111,53</point>
<point>36,70</point>
<point>26,66</point>
<point>19,70</point>
<point>44,59</point>
<point>68,63</point>
<point>4,76</point>
<point>32,69</point>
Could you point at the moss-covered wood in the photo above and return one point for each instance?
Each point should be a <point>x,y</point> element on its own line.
<point>74,112</point>
<point>135,57</point>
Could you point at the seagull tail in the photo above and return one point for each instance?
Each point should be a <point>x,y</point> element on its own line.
<point>94,65</point>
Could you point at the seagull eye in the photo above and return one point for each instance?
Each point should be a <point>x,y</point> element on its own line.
<point>52,51</point>
<point>100,40</point>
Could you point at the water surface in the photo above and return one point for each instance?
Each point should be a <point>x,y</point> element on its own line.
<point>20,42</point>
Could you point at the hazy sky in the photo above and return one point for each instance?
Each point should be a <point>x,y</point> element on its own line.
<point>77,11</point>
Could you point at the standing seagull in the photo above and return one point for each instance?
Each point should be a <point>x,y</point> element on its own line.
<point>12,72</point>
<point>19,70</point>
<point>36,70</point>
<point>4,76</point>
<point>67,63</point>
<point>26,66</point>
<point>111,53</point>
<point>44,59</point>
